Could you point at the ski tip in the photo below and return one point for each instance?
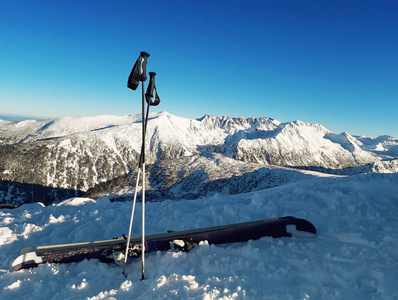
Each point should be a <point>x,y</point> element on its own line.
<point>300,227</point>
<point>292,229</point>
<point>26,260</point>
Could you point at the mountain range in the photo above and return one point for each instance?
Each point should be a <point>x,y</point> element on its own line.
<point>48,161</point>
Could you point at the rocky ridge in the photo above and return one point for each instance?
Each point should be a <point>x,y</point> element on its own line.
<point>186,157</point>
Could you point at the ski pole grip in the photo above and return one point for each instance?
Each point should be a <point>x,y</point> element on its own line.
<point>138,73</point>
<point>150,89</point>
<point>144,56</point>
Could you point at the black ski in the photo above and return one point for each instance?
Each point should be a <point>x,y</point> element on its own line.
<point>183,240</point>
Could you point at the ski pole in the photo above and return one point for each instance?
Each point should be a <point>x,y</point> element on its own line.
<point>148,98</point>
<point>137,75</point>
<point>143,180</point>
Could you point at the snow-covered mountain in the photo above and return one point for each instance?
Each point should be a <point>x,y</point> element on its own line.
<point>99,155</point>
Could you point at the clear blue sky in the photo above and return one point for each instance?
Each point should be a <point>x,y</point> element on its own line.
<point>328,62</point>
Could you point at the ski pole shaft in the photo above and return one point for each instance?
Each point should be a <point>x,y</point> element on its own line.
<point>142,157</point>
<point>143,223</point>
<point>131,221</point>
<point>145,120</point>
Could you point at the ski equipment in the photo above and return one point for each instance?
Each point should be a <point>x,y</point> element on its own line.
<point>138,73</point>
<point>150,89</point>
<point>112,250</point>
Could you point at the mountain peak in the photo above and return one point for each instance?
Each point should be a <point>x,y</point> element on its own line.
<point>82,153</point>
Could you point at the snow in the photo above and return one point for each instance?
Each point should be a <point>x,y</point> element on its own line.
<point>353,256</point>
<point>31,130</point>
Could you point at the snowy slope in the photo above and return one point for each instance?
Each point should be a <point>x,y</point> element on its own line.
<point>31,130</point>
<point>101,153</point>
<point>203,175</point>
<point>354,255</point>
<point>14,132</point>
<point>383,144</point>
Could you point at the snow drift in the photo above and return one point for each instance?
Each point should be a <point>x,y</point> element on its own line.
<point>353,256</point>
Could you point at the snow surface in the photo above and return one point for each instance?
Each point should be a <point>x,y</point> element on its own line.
<point>353,256</point>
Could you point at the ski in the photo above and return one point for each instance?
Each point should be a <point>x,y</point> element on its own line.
<point>108,250</point>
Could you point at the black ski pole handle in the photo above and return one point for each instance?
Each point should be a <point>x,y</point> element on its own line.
<point>138,73</point>
<point>151,88</point>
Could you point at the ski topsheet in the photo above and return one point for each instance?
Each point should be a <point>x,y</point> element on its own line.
<point>184,240</point>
